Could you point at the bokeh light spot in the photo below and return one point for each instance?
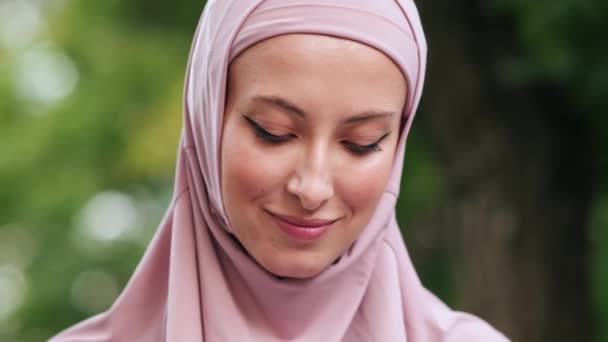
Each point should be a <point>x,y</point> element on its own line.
<point>108,216</point>
<point>13,285</point>
<point>20,21</point>
<point>45,74</point>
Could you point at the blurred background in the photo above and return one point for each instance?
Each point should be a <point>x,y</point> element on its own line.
<point>504,203</point>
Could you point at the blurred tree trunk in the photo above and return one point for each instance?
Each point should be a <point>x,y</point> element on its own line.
<point>517,167</point>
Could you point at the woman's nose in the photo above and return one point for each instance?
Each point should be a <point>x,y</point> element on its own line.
<point>311,182</point>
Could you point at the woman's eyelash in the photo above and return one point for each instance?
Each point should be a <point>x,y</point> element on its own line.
<point>365,149</point>
<point>276,139</point>
<point>362,149</point>
<point>265,135</point>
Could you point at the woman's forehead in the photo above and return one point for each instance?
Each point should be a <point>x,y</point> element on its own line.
<point>316,77</point>
<point>309,56</point>
<point>290,47</point>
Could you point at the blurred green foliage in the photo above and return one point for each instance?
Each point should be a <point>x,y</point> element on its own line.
<point>99,114</point>
<point>90,113</point>
<point>564,42</point>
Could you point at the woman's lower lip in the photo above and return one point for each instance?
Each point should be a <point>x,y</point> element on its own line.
<point>300,232</point>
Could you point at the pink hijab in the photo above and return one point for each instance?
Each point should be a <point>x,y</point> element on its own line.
<point>195,284</point>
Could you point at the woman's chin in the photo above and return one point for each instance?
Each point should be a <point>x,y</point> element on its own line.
<point>283,267</point>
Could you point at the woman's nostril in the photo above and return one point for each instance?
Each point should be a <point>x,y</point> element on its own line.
<point>312,191</point>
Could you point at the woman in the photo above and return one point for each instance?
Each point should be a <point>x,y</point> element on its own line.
<point>282,224</point>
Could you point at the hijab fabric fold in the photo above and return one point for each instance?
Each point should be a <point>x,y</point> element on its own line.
<point>195,283</point>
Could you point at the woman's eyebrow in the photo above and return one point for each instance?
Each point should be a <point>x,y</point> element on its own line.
<point>291,108</point>
<point>281,103</point>
<point>368,115</point>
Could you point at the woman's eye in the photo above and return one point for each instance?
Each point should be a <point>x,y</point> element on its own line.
<point>265,135</point>
<point>362,149</point>
<point>365,149</point>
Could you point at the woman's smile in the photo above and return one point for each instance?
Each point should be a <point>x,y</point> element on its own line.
<point>304,229</point>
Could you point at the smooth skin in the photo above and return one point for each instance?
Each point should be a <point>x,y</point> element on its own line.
<point>311,126</point>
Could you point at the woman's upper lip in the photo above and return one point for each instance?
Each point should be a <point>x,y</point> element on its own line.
<point>308,223</point>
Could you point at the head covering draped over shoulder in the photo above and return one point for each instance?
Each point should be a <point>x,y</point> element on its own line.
<point>195,284</point>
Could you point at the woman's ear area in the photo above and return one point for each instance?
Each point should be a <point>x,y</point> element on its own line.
<point>230,91</point>
<point>231,97</point>
<point>238,74</point>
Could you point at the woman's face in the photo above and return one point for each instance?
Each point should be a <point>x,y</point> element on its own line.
<point>310,131</point>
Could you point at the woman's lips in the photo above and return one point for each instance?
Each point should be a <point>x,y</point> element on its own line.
<point>302,229</point>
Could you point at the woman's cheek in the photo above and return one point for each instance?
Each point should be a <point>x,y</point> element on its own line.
<point>254,169</point>
<point>363,184</point>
